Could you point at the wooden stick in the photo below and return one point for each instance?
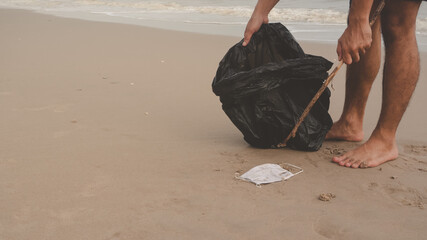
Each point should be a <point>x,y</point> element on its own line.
<point>325,84</point>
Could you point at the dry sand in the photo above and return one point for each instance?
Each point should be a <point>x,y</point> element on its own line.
<point>111,131</point>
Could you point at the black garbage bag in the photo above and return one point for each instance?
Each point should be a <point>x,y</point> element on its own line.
<point>265,86</point>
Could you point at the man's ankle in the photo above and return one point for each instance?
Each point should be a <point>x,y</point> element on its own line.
<point>387,136</point>
<point>352,123</point>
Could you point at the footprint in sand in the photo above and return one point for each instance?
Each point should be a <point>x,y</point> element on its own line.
<point>115,236</point>
<point>416,150</point>
<point>334,150</point>
<point>328,152</point>
<point>405,196</point>
<point>236,157</point>
<point>329,228</point>
<point>97,186</point>
<point>176,205</point>
<point>70,215</point>
<point>413,158</point>
<point>372,186</point>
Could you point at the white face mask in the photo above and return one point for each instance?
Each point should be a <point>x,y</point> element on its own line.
<point>268,173</point>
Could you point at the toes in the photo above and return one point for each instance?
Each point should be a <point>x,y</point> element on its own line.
<point>344,161</point>
<point>356,164</point>
<point>349,162</point>
<point>338,159</point>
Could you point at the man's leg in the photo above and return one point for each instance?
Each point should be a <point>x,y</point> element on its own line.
<point>359,79</point>
<point>401,72</point>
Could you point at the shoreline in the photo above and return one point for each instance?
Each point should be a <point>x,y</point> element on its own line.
<point>111,131</point>
<point>226,30</point>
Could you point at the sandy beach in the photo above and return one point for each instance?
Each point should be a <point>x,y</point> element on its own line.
<point>111,131</point>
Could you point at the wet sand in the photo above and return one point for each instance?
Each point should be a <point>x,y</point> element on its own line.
<point>111,131</point>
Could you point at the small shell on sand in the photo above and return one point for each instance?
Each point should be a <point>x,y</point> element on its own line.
<point>364,165</point>
<point>326,197</point>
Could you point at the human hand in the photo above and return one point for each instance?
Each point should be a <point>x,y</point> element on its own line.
<point>254,24</point>
<point>354,42</point>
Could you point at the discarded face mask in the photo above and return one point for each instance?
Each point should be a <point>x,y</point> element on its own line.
<point>269,173</point>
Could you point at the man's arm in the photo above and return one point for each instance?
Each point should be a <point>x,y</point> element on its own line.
<point>259,16</point>
<point>358,35</point>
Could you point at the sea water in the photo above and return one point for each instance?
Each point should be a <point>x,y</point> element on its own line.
<point>315,20</point>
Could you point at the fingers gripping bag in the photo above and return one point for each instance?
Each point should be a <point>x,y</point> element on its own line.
<point>265,86</point>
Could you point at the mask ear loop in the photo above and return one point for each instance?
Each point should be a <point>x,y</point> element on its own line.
<point>300,169</point>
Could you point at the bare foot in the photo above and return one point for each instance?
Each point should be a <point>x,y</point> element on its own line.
<point>374,152</point>
<point>346,132</point>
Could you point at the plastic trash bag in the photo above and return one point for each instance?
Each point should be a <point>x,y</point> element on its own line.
<point>265,86</point>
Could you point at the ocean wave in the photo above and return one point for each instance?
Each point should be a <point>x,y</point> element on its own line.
<point>324,16</point>
<point>214,22</point>
<point>279,14</point>
<point>196,12</point>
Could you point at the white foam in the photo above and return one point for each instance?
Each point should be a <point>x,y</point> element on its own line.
<point>323,16</point>
<point>422,25</point>
<point>215,23</point>
<point>132,7</point>
<point>323,20</point>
